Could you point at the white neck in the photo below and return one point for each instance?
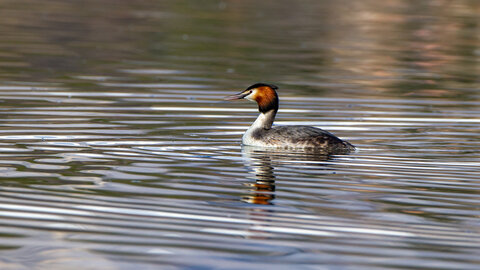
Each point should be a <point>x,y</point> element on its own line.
<point>264,121</point>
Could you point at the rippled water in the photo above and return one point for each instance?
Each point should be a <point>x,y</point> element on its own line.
<point>118,152</point>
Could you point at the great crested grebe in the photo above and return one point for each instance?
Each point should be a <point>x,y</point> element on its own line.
<point>261,133</point>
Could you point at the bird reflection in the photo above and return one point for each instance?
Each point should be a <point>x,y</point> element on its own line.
<point>262,191</point>
<point>260,162</point>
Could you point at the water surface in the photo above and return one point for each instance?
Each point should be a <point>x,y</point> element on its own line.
<point>118,152</point>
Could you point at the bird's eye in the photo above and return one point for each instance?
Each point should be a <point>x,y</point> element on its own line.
<point>250,92</point>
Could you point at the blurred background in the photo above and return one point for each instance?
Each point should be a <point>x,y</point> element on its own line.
<point>420,49</point>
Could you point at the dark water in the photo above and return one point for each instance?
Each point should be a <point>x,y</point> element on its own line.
<point>117,151</point>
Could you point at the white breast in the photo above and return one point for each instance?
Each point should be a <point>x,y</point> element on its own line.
<point>248,139</point>
<point>262,120</point>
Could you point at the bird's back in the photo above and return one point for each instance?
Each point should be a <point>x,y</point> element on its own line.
<point>302,137</point>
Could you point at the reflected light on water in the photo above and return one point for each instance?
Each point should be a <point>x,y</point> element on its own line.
<point>118,152</point>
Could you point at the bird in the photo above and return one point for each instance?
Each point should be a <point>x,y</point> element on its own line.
<point>262,133</point>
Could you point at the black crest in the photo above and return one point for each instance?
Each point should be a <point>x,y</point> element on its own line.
<point>274,87</point>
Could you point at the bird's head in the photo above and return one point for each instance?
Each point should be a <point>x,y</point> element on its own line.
<point>262,93</point>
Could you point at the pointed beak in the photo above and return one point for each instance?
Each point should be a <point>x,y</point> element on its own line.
<point>235,97</point>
